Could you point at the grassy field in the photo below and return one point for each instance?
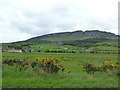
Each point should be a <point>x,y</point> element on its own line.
<point>76,79</point>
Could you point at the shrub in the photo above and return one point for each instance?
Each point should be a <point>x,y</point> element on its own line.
<point>46,65</point>
<point>17,64</point>
<point>89,68</point>
<point>106,66</point>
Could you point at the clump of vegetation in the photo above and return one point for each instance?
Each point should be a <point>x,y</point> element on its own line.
<point>89,68</point>
<point>105,67</point>
<point>47,65</point>
<point>16,64</point>
<point>40,66</point>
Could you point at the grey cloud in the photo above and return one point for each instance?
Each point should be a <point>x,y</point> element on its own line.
<point>61,16</point>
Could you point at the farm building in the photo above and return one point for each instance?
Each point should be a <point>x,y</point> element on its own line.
<point>28,50</point>
<point>14,50</point>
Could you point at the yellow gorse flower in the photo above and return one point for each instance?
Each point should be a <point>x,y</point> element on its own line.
<point>49,65</point>
<point>56,65</point>
<point>100,66</point>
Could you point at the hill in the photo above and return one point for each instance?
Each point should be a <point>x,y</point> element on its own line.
<point>67,41</point>
<point>72,36</point>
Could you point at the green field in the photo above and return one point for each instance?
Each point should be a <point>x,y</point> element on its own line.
<point>12,78</point>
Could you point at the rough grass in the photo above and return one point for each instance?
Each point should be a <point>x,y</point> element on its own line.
<point>76,79</point>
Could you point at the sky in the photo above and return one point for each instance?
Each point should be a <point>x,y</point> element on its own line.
<point>24,19</point>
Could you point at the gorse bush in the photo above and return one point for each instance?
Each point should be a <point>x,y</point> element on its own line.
<point>105,67</point>
<point>46,65</point>
<point>16,64</point>
<point>43,65</point>
<point>89,68</point>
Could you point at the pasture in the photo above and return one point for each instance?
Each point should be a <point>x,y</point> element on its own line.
<point>77,78</point>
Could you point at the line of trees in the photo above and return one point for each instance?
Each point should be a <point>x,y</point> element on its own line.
<point>60,51</point>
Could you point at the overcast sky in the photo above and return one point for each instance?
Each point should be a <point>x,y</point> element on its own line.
<point>23,19</point>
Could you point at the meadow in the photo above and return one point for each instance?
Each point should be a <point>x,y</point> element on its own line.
<point>77,78</point>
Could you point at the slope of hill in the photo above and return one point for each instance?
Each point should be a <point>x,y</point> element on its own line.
<point>72,36</point>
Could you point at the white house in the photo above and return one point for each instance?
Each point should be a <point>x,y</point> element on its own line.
<point>14,50</point>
